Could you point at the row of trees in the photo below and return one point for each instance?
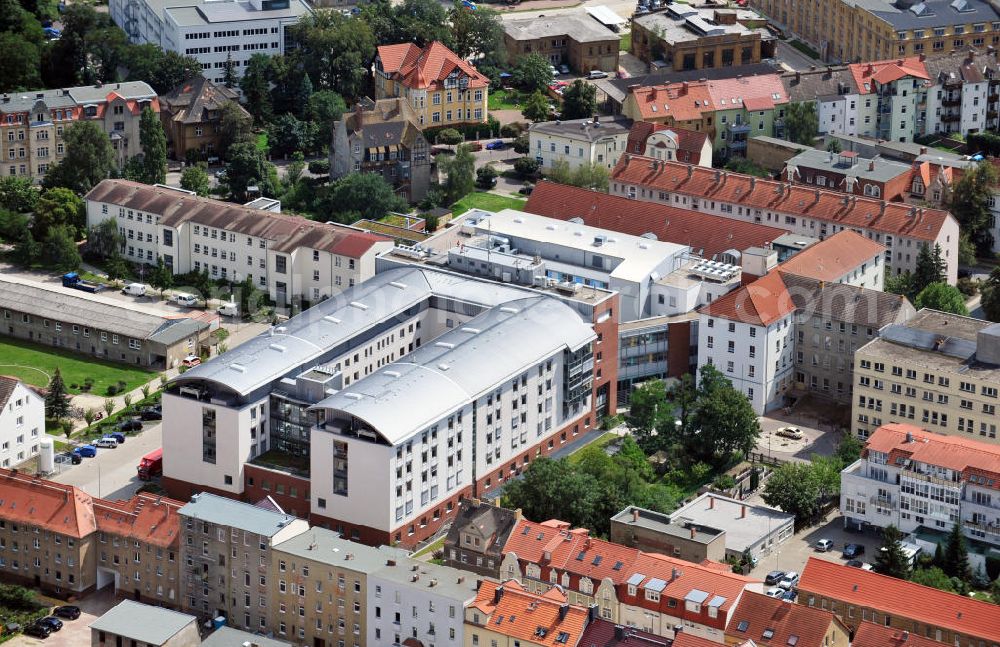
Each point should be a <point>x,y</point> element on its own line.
<point>801,489</point>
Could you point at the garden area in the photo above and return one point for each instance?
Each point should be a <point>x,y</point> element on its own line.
<point>487,202</point>
<point>18,605</point>
<point>35,364</point>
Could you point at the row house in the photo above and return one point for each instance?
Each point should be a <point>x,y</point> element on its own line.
<point>506,614</point>
<point>902,229</point>
<point>292,258</point>
<point>655,593</point>
<point>22,421</point>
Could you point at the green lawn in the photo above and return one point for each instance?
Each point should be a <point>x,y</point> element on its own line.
<point>35,364</point>
<point>626,42</point>
<point>506,99</point>
<point>603,441</point>
<point>487,202</point>
<point>262,142</point>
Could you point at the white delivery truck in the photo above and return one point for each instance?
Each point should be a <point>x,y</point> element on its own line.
<point>135,289</point>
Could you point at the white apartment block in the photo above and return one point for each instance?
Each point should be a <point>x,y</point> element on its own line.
<point>916,479</point>
<point>289,257</point>
<point>938,370</point>
<point>212,31</point>
<point>22,422</point>
<point>579,141</point>
<point>390,383</point>
<point>414,599</point>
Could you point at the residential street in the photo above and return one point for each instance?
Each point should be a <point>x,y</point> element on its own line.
<point>111,474</point>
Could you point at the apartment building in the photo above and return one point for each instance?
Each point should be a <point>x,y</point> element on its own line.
<point>321,597</point>
<point>577,142</point>
<point>226,555</point>
<point>477,536</point>
<point>32,123</point>
<point>192,117</point>
<point>846,171</point>
<point>22,421</point>
<point>663,142</point>
<point>292,258</point>
<point>901,229</point>
<point>937,370</point>
<point>97,326</point>
<point>839,106</point>
<point>650,591</point>
<point>574,39</point>
<point>869,634</point>
<point>214,33</point>
<point>898,88</point>
<point>915,479</point>
<point>383,459</point>
<point>844,31</point>
<point>411,601</point>
<point>440,87</point>
<point>772,622</point>
<point>685,37</point>
<point>964,96</point>
<point>383,137</point>
<point>857,596</point>
<point>545,620</point>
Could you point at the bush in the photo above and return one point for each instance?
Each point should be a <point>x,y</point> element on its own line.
<point>968,286</point>
<point>111,390</point>
<point>513,129</point>
<point>486,177</point>
<point>526,166</point>
<point>724,482</point>
<point>449,136</point>
<point>319,167</point>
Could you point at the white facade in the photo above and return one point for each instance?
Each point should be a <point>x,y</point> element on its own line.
<point>662,144</point>
<point>211,31</point>
<point>757,359</point>
<point>22,423</point>
<point>578,142</point>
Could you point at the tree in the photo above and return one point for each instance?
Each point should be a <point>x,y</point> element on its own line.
<point>579,100</point>
<point>59,249</point>
<point>249,297</point>
<point>801,122</point>
<point>449,137</point>
<point>58,207</point>
<point>526,166</point>
<point>849,449</point>
<point>12,225</point>
<point>943,297</point>
<point>89,416</point>
<point>362,195</point>
<point>901,284</point>
<point>991,295</point>
<point>970,203</point>
<point>163,70</point>
<point>422,21</point>
<point>287,135</point>
<point>26,249</point>
<point>256,87</point>
<point>552,489</point>
<point>966,250</point>
<point>536,107</point>
<point>793,488</point>
<point>475,33</point>
<point>229,73</point>
<point>89,158</point>
<point>931,268</point>
<point>592,176</point>
<point>195,178</point>
<point>104,240</point>
<point>486,177</point>
<point>833,146</point>
<point>56,399</point>
<point>109,407</point>
<point>890,558</point>
<point>956,556</point>
<point>292,87</point>
<point>723,417</point>
<point>532,73</point>
<point>324,108</point>
<point>336,51</point>
<point>235,125</point>
<point>522,144</point>
<point>647,407</point>
<point>161,277</point>
<point>22,63</point>
<point>933,577</point>
<point>248,166</point>
<point>117,267</point>
<point>459,170</point>
<point>18,194</point>
<point>153,142</point>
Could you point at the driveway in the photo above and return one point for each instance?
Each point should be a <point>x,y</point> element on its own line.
<point>796,551</point>
<point>793,58</point>
<point>111,474</point>
<point>816,440</point>
<point>75,633</point>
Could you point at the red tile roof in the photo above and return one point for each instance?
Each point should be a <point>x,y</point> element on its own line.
<point>810,202</point>
<point>706,234</point>
<point>884,72</point>
<point>601,633</point>
<point>426,68</point>
<point>525,616</point>
<point>968,456</point>
<point>62,509</point>
<point>145,518</point>
<point>758,613</point>
<point>870,634</point>
<point>760,92</point>
<point>900,598</point>
<point>833,257</point>
<point>689,142</point>
<point>684,101</point>
<point>684,639</point>
<point>761,303</point>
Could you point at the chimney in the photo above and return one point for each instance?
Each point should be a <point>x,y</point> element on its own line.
<point>871,165</point>
<point>619,633</point>
<point>909,437</point>
<point>798,77</point>
<point>690,171</point>
<point>674,574</point>
<point>711,502</point>
<point>694,531</point>
<point>635,515</point>
<point>563,610</point>
<point>922,57</point>
<point>906,634</point>
<point>652,93</point>
<point>923,150</point>
<point>497,595</point>
<point>743,511</point>
<point>684,88</point>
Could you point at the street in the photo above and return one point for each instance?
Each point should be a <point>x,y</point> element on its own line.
<point>111,474</point>
<point>793,59</point>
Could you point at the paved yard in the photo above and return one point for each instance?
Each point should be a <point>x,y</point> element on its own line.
<point>75,633</point>
<point>793,554</point>
<point>111,474</point>
<point>818,438</point>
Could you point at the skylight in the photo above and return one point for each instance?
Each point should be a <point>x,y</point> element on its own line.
<point>768,633</point>
<point>743,625</point>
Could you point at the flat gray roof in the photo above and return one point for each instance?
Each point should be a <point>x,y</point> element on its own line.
<point>577,26</point>
<point>99,93</point>
<point>142,622</point>
<point>460,586</point>
<point>585,129</point>
<point>235,514</point>
<point>328,547</point>
<point>876,169</point>
<point>663,523</point>
<point>230,637</point>
<point>215,13</point>
<point>742,532</point>
<point>681,23</point>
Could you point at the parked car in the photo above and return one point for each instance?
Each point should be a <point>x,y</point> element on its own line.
<point>118,435</point>
<point>564,69</point>
<point>191,360</point>
<point>184,299</point>
<point>86,451</point>
<point>824,545</point>
<point>475,147</point>
<point>496,146</point>
<point>53,623</point>
<point>135,289</point>
<point>774,577</point>
<point>597,74</point>
<point>852,551</point>
<point>132,424</point>
<point>857,563</point>
<point>106,442</point>
<point>790,432</point>
<point>151,413</point>
<point>52,33</point>
<point>526,189</point>
<point>790,581</point>
<point>74,458</point>
<point>69,612</point>
<point>220,174</point>
<point>37,630</point>
<point>789,596</point>
<point>774,592</point>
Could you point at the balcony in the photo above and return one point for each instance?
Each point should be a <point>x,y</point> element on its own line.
<point>884,501</point>
<point>739,128</point>
<point>930,478</point>
<point>989,528</point>
<point>948,118</point>
<point>951,103</point>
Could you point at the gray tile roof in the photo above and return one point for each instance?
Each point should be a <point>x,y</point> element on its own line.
<point>932,13</point>
<point>71,97</point>
<point>99,93</point>
<point>235,514</point>
<point>846,303</point>
<point>810,85</point>
<point>328,547</point>
<point>875,169</point>
<point>490,521</point>
<point>190,101</point>
<point>142,622</point>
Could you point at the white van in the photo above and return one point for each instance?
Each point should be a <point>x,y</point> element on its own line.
<point>184,299</point>
<point>229,310</point>
<point>135,289</point>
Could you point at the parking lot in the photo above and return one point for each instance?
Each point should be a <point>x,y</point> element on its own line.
<point>112,473</point>
<point>74,633</point>
<point>815,440</point>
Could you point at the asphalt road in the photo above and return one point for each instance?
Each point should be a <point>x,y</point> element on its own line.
<point>793,58</point>
<point>111,474</point>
